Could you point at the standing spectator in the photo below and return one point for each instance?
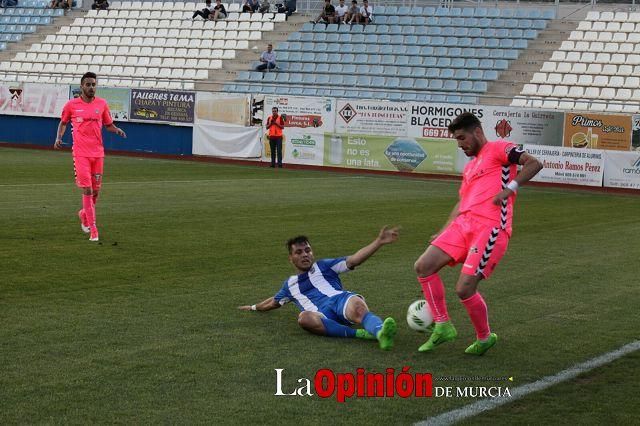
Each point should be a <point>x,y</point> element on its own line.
<point>268,59</point>
<point>275,124</point>
<point>352,13</point>
<point>328,15</point>
<point>341,12</point>
<point>219,12</point>
<point>204,12</point>
<point>366,13</point>
<point>100,5</point>
<point>251,6</point>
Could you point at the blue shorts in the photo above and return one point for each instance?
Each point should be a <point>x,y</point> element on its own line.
<point>336,306</point>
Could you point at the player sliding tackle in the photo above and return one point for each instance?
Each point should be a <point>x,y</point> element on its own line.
<point>316,289</point>
<point>477,232</point>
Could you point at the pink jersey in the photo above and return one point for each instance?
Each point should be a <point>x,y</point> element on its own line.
<point>484,177</point>
<point>87,120</point>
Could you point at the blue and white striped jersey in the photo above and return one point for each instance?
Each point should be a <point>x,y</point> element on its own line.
<point>311,291</point>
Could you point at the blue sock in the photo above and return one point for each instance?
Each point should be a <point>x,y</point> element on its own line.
<point>372,323</point>
<point>333,329</point>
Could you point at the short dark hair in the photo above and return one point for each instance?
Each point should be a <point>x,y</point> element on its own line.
<point>465,121</point>
<point>300,239</point>
<point>276,108</point>
<point>88,75</point>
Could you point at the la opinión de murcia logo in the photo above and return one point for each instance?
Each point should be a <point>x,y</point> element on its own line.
<point>390,384</point>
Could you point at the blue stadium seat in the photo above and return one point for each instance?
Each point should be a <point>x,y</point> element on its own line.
<point>438,97</point>
<point>454,99</point>
<point>490,75</point>
<point>378,81</point>
<point>421,84</point>
<point>308,67</point>
<point>433,72</point>
<point>467,12</point>
<point>479,86</point>
<point>426,50</point>
<point>549,14</point>
<point>307,36</point>
<point>475,74</point>
<point>309,91</point>
<point>296,91</point>
<point>348,68</point>
<point>450,85</point>
<point>457,62</point>
<point>506,13</point>
<point>446,73</point>
<point>501,64</point>
<point>350,80</point>
<point>395,20</point>
<point>458,23</point>
<point>415,60</point>
<point>295,78</point>
<point>539,24</point>
<point>440,51</point>
<point>436,84</point>
<point>418,20</point>
<point>430,61</point>
<point>530,34</point>
<point>520,44</point>
<point>437,41</point>
<point>414,50</point>
<point>521,13</point>
<point>465,86</point>
<point>491,43</point>
<point>322,68</point>
<point>493,13</point>
<point>419,72</point>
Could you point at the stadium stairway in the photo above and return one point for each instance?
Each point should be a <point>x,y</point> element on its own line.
<point>521,70</point>
<point>245,58</point>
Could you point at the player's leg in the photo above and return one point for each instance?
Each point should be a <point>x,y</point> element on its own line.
<point>355,310</point>
<point>447,249</point>
<point>97,170</point>
<point>83,181</point>
<point>279,151</point>
<point>316,323</point>
<point>490,245</point>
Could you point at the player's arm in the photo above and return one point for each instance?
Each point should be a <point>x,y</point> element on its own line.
<point>455,212</point>
<point>62,127</point>
<point>265,305</point>
<point>117,130</point>
<point>387,235</point>
<point>530,167</point>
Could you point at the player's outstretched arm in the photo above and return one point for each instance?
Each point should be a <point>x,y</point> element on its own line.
<point>118,131</point>
<point>387,235</point>
<point>265,305</point>
<point>62,127</point>
<point>530,167</point>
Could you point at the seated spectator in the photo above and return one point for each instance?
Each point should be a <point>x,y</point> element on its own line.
<point>219,12</point>
<point>352,13</point>
<point>328,15</point>
<point>251,6</point>
<point>9,3</point>
<point>366,13</point>
<point>100,5</point>
<point>341,12</point>
<point>204,12</point>
<point>268,59</point>
<point>60,4</point>
<point>265,6</point>
<point>289,7</point>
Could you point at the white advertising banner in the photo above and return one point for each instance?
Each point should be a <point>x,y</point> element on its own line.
<point>33,99</point>
<point>226,140</point>
<point>306,120</point>
<point>622,169</point>
<point>302,147</point>
<point>523,126</point>
<point>568,165</point>
<point>380,118</point>
<point>425,120</point>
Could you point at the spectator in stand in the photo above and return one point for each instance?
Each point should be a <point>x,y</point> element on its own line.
<point>219,12</point>
<point>328,15</point>
<point>55,4</point>
<point>251,6</point>
<point>100,5</point>
<point>341,12</point>
<point>268,59</point>
<point>352,13</point>
<point>265,6</point>
<point>204,12</point>
<point>366,13</point>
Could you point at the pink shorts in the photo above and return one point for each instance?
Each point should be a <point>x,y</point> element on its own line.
<point>88,171</point>
<point>479,247</point>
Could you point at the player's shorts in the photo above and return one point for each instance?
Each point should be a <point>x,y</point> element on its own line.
<point>479,247</point>
<point>88,171</point>
<point>336,307</point>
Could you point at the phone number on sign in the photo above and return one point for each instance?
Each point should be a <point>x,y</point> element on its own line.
<point>435,132</point>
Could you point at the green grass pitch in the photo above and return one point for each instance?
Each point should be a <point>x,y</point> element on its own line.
<point>142,328</point>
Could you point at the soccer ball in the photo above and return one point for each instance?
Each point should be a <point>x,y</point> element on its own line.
<point>419,315</point>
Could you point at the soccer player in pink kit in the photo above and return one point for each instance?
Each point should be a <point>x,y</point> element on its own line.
<point>477,232</point>
<point>87,114</point>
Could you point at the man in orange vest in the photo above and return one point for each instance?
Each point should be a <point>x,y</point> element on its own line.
<point>275,124</point>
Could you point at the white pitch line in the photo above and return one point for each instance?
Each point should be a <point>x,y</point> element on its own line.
<point>474,409</point>
<point>155,182</point>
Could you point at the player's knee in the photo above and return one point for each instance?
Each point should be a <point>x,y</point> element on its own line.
<point>306,320</point>
<point>423,268</point>
<point>465,291</point>
<point>87,190</point>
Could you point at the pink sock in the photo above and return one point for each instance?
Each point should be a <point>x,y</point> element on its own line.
<point>95,199</point>
<point>87,206</point>
<point>433,290</point>
<point>477,309</point>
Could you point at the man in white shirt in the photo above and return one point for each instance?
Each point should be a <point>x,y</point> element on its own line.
<point>341,10</point>
<point>366,13</point>
<point>268,59</point>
